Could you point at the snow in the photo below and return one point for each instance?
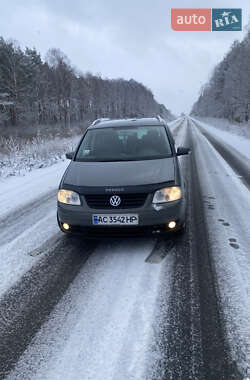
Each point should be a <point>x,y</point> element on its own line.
<point>19,156</point>
<point>17,192</point>
<point>238,143</point>
<point>227,208</point>
<point>240,129</point>
<point>102,327</point>
<point>15,256</point>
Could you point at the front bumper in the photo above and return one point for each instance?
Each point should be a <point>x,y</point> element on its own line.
<point>152,219</point>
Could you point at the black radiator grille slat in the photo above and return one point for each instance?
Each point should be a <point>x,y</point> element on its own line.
<point>101,201</point>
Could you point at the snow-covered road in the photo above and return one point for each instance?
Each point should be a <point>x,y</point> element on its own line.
<point>27,220</point>
<point>128,309</point>
<point>102,326</point>
<point>227,210</point>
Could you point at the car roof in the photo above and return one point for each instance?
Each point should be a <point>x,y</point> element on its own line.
<point>103,123</point>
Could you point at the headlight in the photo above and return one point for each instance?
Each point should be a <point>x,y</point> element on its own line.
<point>168,194</point>
<point>69,197</point>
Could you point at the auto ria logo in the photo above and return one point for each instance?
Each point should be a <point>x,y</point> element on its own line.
<point>206,19</point>
<point>227,19</point>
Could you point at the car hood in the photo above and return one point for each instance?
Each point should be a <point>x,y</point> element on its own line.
<point>129,173</point>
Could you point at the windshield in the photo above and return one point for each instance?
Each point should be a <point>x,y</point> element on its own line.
<point>124,144</point>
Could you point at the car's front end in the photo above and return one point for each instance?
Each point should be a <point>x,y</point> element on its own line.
<point>136,215</point>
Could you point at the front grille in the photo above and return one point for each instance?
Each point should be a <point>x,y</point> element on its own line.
<point>101,201</point>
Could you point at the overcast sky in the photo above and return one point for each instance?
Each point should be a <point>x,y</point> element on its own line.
<point>128,39</point>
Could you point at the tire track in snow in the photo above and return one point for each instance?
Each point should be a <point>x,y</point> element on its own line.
<point>192,342</point>
<point>102,326</point>
<point>21,219</point>
<point>218,362</point>
<point>26,306</point>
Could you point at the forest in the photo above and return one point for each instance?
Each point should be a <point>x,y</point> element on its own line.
<point>227,93</point>
<point>49,96</point>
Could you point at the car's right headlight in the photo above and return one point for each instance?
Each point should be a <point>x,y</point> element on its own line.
<point>168,194</point>
<point>69,197</point>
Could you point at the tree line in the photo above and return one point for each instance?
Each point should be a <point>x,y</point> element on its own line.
<point>227,93</point>
<point>51,92</point>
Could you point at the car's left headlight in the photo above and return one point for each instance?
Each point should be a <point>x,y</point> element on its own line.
<point>168,194</point>
<point>69,197</point>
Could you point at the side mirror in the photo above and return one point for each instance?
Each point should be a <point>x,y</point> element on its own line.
<point>69,155</point>
<point>181,151</point>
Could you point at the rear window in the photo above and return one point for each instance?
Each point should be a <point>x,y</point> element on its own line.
<point>124,144</point>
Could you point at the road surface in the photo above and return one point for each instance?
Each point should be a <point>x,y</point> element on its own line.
<point>133,309</point>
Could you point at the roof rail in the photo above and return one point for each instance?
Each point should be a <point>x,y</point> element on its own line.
<point>159,118</point>
<point>100,120</point>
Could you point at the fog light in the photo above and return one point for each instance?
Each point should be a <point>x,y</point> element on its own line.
<point>172,224</point>
<point>65,226</point>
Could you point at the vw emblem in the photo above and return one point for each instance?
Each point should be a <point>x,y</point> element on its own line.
<point>115,200</point>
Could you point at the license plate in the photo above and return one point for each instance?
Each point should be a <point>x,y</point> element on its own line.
<point>115,219</point>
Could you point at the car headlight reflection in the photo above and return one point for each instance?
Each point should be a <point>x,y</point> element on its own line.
<point>69,197</point>
<point>168,194</point>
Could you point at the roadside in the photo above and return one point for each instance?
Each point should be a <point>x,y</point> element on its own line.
<point>16,192</point>
<point>239,143</point>
<point>232,154</point>
<point>19,156</point>
<point>239,129</point>
<point>27,220</point>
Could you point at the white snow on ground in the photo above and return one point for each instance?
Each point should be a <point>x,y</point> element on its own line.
<point>16,192</point>
<point>19,156</point>
<point>227,205</point>
<point>15,258</point>
<point>240,129</point>
<point>238,143</point>
<point>102,327</point>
